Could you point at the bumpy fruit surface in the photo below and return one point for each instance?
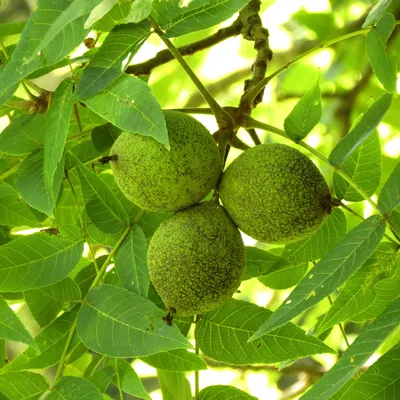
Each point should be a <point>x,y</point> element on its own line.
<point>275,194</point>
<point>156,179</point>
<point>196,259</point>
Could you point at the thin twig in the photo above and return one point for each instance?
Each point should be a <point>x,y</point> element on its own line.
<point>251,95</point>
<point>355,213</point>
<point>165,56</point>
<point>253,134</point>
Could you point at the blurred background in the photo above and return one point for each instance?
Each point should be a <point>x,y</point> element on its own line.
<point>348,86</point>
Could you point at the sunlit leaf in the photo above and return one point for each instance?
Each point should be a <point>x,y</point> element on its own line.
<point>140,10</point>
<point>11,328</point>
<point>119,323</point>
<point>115,16</point>
<point>223,392</point>
<point>11,28</point>
<point>37,260</point>
<point>99,11</point>
<point>357,354</point>
<point>329,274</point>
<point>376,12</point>
<point>305,114</point>
<point>363,166</point>
<point>197,15</point>
<point>361,130</point>
<point>175,360</point>
<point>223,335</point>
<point>130,105</point>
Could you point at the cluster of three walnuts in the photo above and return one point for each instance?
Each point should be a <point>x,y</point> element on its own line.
<point>196,258</point>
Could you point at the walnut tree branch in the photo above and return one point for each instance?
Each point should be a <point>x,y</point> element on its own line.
<point>252,29</point>
<point>165,56</point>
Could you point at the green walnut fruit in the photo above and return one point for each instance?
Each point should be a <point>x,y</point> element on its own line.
<point>196,259</point>
<point>275,194</point>
<point>156,179</point>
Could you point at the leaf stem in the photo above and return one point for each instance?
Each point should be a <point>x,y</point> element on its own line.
<point>121,395</point>
<point>340,325</point>
<point>9,172</point>
<point>3,352</point>
<point>78,118</point>
<point>197,372</point>
<point>83,227</point>
<point>192,110</point>
<point>110,256</point>
<point>61,364</point>
<point>218,111</point>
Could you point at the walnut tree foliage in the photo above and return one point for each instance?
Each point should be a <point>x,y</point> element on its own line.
<point>77,308</point>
